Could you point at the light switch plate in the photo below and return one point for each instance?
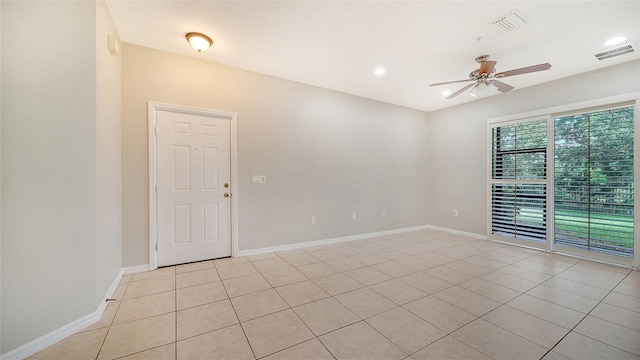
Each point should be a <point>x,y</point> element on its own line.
<point>258,179</point>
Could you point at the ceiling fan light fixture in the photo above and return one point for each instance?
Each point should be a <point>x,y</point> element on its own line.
<point>482,78</point>
<point>200,42</point>
<point>480,89</point>
<point>447,93</point>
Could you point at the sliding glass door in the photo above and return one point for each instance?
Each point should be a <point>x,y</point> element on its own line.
<point>566,183</point>
<point>593,181</point>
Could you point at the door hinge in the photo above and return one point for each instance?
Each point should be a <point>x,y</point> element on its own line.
<point>155,130</point>
<point>156,246</point>
<point>156,188</point>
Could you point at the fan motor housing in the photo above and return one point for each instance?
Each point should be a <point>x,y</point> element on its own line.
<point>476,75</point>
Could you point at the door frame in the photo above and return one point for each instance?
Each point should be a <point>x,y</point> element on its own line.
<point>152,108</point>
<point>550,246</point>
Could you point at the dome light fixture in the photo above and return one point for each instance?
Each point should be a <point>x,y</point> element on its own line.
<point>198,41</point>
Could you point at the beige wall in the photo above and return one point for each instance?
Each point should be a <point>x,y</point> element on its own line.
<point>67,142</point>
<point>325,154</point>
<point>60,166</point>
<point>458,139</point>
<point>108,164</point>
<point>48,167</point>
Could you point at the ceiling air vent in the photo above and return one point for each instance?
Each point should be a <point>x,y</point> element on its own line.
<point>620,50</point>
<point>510,21</point>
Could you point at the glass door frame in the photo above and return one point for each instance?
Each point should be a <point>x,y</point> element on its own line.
<point>550,115</point>
<point>491,181</point>
<point>595,255</point>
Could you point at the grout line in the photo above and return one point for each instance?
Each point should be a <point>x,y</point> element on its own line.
<point>585,316</point>
<point>114,315</point>
<point>371,248</point>
<point>523,293</point>
<point>141,351</point>
<point>239,322</point>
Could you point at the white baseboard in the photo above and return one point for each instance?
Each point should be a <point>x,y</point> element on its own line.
<point>135,269</point>
<point>67,330</point>
<point>53,337</point>
<point>458,232</point>
<point>305,244</point>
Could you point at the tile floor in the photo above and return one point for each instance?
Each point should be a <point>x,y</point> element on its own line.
<point>420,295</point>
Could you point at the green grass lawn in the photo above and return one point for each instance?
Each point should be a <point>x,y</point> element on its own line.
<point>614,229</point>
<point>611,229</point>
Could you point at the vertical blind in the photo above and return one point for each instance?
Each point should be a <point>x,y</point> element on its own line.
<point>593,182</point>
<point>518,189</point>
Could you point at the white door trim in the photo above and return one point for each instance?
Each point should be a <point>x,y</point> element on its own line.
<point>153,107</point>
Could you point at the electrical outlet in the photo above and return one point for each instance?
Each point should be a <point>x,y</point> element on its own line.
<point>313,220</point>
<point>353,216</point>
<point>384,212</point>
<point>455,212</point>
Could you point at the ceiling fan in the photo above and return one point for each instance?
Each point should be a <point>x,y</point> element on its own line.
<point>486,75</point>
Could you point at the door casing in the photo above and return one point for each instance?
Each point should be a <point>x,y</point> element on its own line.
<point>152,108</point>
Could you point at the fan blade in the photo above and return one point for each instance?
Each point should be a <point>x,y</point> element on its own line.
<point>486,67</point>
<point>524,70</point>
<point>502,87</point>
<point>461,91</point>
<point>451,82</point>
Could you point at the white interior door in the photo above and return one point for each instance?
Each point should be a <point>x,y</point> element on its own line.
<point>193,185</point>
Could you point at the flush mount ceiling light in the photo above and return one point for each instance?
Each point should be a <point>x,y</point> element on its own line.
<point>198,41</point>
<point>380,71</point>
<point>615,41</point>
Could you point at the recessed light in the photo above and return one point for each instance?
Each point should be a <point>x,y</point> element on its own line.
<point>380,71</point>
<point>446,93</point>
<point>615,41</point>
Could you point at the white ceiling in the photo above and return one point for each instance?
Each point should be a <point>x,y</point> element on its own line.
<point>338,44</point>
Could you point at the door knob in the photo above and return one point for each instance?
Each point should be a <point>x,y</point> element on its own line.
<point>226,195</point>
